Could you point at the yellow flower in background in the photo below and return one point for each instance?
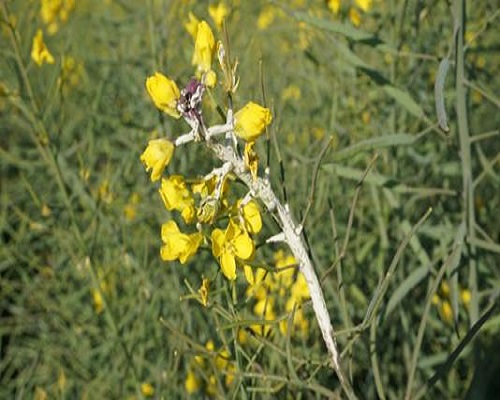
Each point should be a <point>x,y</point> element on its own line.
<point>354,16</point>
<point>204,49</point>
<point>130,209</point>
<point>291,92</point>
<point>147,389</point>
<point>53,11</point>
<point>39,51</point>
<point>285,265</point>
<point>192,25</point>
<point>157,156</point>
<point>251,121</point>
<point>445,289</point>
<point>300,291</point>
<point>446,311</point>
<point>230,244</point>
<point>203,291</point>
<point>176,196</point>
<point>218,13</point>
<point>334,6</point>
<point>266,17</point>
<point>251,159</point>
<point>98,301</point>
<point>205,369</point>
<point>164,93</point>
<point>264,309</point>
<point>466,296</point>
<point>178,245</point>
<point>192,383</point>
<point>72,73</point>
<point>364,5</point>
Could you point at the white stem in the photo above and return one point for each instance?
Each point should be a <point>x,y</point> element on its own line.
<point>291,233</point>
<point>261,189</point>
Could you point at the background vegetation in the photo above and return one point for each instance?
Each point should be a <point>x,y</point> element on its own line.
<point>89,310</point>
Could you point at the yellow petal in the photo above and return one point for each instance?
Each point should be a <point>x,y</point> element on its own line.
<point>39,51</point>
<point>334,5</point>
<point>218,13</point>
<point>157,156</point>
<point>243,246</point>
<point>218,239</point>
<point>251,159</point>
<point>228,265</point>
<point>365,5</point>
<point>204,47</point>
<point>248,271</point>
<point>251,215</point>
<point>192,383</point>
<point>192,25</point>
<point>164,93</point>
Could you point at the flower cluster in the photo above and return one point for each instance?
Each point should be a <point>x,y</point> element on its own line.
<point>205,370</point>
<point>55,12</point>
<point>268,287</point>
<point>442,301</point>
<point>354,12</point>
<point>229,224</point>
<point>214,211</point>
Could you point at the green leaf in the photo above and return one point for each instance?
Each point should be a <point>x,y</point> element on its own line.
<point>405,287</point>
<point>397,139</point>
<point>340,28</point>
<point>404,99</point>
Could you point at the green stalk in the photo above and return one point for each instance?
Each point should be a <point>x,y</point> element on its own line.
<point>465,155</point>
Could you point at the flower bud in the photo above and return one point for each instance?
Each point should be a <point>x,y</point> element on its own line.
<point>251,121</point>
<point>164,93</point>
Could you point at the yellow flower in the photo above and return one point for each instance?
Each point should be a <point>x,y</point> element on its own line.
<point>230,244</point>
<point>147,389</point>
<point>365,5</point>
<point>354,16</point>
<point>98,301</point>
<point>264,309</point>
<point>300,290</point>
<point>266,17</point>
<point>292,92</point>
<point>204,48</point>
<point>334,6</point>
<point>176,196</point>
<point>251,159</point>
<point>39,51</point>
<point>251,121</point>
<point>192,383</point>
<point>130,209</point>
<point>218,13</point>
<point>52,11</point>
<point>446,311</point>
<point>157,156</point>
<point>466,296</point>
<point>203,291</point>
<point>285,265</point>
<point>164,93</point>
<point>178,245</point>
<point>192,25</point>
<point>445,289</point>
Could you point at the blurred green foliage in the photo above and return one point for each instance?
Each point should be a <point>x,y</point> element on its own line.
<point>89,310</point>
